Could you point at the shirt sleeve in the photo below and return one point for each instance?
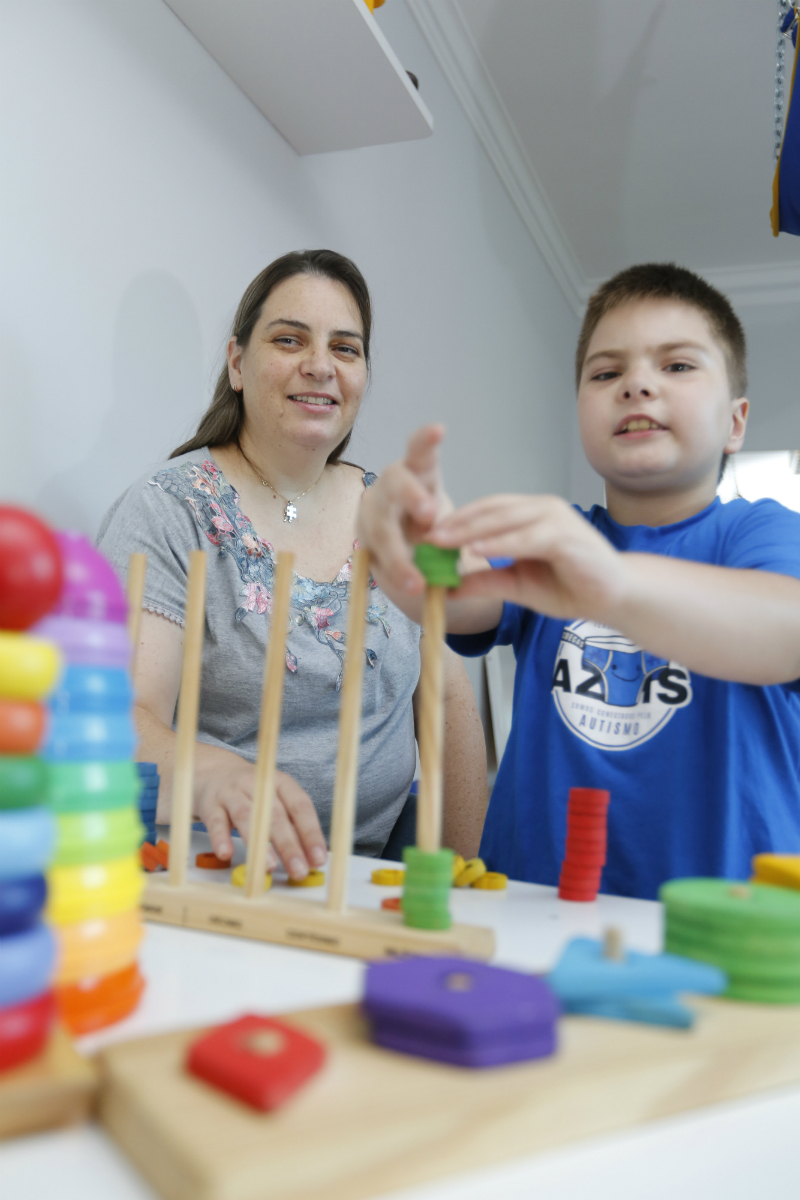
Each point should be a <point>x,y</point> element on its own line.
<point>765,538</point>
<point>507,633</point>
<point>151,521</point>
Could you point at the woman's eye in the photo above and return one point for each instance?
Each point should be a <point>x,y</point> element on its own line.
<point>286,339</point>
<point>352,351</point>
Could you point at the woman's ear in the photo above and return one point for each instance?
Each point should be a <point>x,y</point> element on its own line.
<point>233,353</point>
<point>741,408</point>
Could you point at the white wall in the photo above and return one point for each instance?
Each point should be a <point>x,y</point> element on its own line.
<point>141,191</point>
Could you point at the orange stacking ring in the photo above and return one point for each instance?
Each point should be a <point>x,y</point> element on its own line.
<point>99,947</point>
<point>95,1003</point>
<point>21,726</point>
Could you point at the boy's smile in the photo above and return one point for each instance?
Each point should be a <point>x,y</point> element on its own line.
<point>655,410</point>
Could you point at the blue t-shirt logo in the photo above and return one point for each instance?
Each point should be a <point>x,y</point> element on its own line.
<point>610,692</point>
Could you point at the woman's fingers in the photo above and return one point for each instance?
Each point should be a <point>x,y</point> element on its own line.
<point>296,832</point>
<point>219,830</point>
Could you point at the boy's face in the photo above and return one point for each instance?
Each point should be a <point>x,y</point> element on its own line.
<point>654,403</point>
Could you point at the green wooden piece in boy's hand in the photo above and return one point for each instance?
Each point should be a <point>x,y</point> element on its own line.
<point>437,565</point>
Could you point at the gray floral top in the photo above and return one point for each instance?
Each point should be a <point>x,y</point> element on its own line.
<point>186,505</point>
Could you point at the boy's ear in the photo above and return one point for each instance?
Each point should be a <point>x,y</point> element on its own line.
<point>741,408</point>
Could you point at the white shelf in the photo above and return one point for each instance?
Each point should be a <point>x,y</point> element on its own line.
<point>320,71</point>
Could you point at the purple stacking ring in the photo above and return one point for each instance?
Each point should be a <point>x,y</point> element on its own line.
<point>91,589</point>
<point>88,643</point>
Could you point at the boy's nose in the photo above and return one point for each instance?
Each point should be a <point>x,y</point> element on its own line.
<point>634,390</point>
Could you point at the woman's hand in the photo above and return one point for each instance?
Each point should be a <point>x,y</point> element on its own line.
<point>399,510</point>
<point>563,567</point>
<point>224,801</point>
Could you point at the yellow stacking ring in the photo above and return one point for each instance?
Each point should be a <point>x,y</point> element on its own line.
<point>29,666</point>
<point>388,876</point>
<point>458,866</point>
<point>95,890</point>
<point>473,870</point>
<point>312,879</point>
<point>238,874</point>
<point>492,881</point>
<point>98,947</point>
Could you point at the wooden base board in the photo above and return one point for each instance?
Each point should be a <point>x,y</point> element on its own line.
<point>57,1088</point>
<point>373,1121</point>
<point>358,932</point>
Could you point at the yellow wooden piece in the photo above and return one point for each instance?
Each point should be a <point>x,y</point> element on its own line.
<point>312,879</point>
<point>781,870</point>
<point>238,874</point>
<point>377,1115</point>
<point>492,881</point>
<point>388,876</point>
<point>474,869</point>
<point>56,1088</point>
<point>459,863</point>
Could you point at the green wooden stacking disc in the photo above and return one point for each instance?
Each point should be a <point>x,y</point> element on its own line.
<point>438,565</point>
<point>426,888</point>
<point>721,904</point>
<point>87,786</point>
<point>23,781</point>
<point>87,837</point>
<point>758,944</point>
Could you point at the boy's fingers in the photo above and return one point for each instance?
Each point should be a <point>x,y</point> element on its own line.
<point>303,817</point>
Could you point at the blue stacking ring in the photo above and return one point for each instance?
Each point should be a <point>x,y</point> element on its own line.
<point>21,901</point>
<point>83,736</point>
<point>27,841</point>
<point>26,964</point>
<point>146,768</point>
<point>93,689</point>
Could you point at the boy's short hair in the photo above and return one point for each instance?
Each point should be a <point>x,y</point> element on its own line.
<point>666,281</point>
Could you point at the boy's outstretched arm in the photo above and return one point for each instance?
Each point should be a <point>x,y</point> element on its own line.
<point>398,511</point>
<point>738,625</point>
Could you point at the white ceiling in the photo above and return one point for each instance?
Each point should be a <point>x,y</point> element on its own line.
<point>628,130</point>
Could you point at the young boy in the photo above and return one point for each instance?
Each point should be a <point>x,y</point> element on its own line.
<point>658,639</point>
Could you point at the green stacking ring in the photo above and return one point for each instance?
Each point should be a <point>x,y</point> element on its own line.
<point>716,904</point>
<point>777,970</point>
<point>75,787</point>
<point>23,781</point>
<point>87,837</point>
<point>438,565</point>
<point>761,945</point>
<point>426,888</point>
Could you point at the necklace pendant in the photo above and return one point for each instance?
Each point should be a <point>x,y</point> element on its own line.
<point>290,512</point>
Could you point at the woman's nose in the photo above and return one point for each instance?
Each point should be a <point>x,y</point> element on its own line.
<point>318,362</point>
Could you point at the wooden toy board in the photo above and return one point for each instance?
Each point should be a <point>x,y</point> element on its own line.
<point>57,1088</point>
<point>374,1121</point>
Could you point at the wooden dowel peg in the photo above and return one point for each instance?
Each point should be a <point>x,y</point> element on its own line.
<point>431,730</point>
<point>345,789</point>
<point>188,709</point>
<point>137,567</point>
<point>269,728</point>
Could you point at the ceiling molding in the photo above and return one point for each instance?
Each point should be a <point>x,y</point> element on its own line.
<point>460,59</point>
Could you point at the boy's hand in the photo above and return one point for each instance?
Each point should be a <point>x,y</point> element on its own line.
<point>399,510</point>
<point>563,568</point>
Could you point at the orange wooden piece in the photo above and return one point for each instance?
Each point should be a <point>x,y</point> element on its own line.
<point>21,726</point>
<point>392,902</point>
<point>151,859</point>
<point>162,852</point>
<point>210,862</point>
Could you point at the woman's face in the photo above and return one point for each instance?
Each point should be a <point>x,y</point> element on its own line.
<point>303,372</point>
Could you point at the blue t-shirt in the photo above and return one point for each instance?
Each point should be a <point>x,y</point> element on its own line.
<point>702,773</point>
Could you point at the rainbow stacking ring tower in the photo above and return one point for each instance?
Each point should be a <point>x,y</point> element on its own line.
<point>96,878</point>
<point>30,583</point>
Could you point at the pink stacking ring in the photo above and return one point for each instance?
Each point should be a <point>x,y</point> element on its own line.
<point>88,643</point>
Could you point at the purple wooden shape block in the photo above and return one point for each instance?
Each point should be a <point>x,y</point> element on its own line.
<point>460,1012</point>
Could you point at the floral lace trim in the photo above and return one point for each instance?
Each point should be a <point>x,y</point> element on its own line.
<point>215,505</point>
<point>162,612</point>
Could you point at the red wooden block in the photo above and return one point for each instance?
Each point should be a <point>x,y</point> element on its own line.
<point>256,1059</point>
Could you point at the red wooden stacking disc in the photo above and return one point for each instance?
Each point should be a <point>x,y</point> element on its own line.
<point>588,810</point>
<point>21,726</point>
<point>576,845</point>
<point>256,1059</point>
<point>593,796</point>
<point>583,876</point>
<point>578,858</point>
<point>576,896</point>
<point>587,825</point>
<point>24,1029</point>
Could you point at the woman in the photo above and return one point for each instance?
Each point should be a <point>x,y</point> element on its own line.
<point>270,446</point>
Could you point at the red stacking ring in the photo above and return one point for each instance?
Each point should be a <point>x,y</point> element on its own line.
<point>594,850</point>
<point>577,858</point>
<point>584,876</point>
<point>591,826</point>
<point>21,726</point>
<point>593,796</point>
<point>25,1028</point>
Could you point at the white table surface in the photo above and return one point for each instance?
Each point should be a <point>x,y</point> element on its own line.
<point>738,1150</point>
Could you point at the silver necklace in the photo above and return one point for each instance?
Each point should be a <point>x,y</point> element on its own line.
<point>290,509</point>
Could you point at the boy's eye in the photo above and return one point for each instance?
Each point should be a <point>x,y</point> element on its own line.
<point>679,366</point>
<point>602,376</point>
